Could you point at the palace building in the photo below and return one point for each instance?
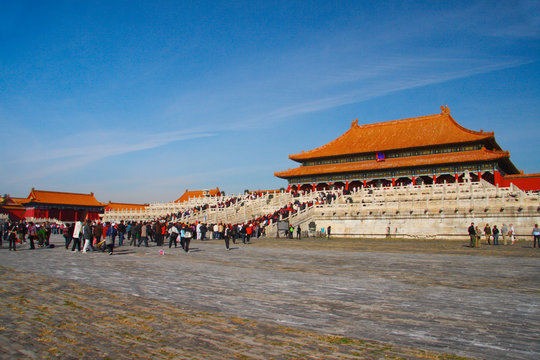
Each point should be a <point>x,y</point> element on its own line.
<point>428,149</point>
<point>63,206</point>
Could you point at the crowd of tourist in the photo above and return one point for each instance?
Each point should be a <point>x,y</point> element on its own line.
<point>179,231</point>
<point>491,235</point>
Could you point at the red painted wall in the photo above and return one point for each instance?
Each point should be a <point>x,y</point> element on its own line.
<point>524,182</point>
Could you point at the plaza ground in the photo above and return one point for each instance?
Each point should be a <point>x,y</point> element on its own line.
<point>275,298</point>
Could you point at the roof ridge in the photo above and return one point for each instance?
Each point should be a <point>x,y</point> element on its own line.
<point>63,192</point>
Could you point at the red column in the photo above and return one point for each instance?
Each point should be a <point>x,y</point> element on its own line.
<point>393,182</point>
<point>289,188</point>
<point>479,175</point>
<point>365,183</point>
<point>47,213</point>
<point>60,214</point>
<point>314,187</point>
<point>413,180</point>
<point>434,179</point>
<point>346,185</point>
<point>457,177</point>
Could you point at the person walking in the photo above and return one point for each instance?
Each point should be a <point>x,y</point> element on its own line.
<point>88,237</point>
<point>173,235</point>
<point>121,230</point>
<point>144,235</point>
<point>472,235</point>
<point>77,236</point>
<point>298,232</point>
<point>328,231</point>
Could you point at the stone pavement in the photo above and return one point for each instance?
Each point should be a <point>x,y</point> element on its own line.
<point>274,299</point>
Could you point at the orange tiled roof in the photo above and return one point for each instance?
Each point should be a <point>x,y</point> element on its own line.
<point>124,206</point>
<point>63,198</point>
<point>398,134</point>
<point>197,193</point>
<point>434,159</point>
<point>17,199</point>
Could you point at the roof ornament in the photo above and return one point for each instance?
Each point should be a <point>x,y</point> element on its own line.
<point>354,123</point>
<point>445,110</point>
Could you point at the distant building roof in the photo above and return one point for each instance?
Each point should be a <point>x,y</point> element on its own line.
<point>125,206</point>
<point>415,132</point>
<point>61,198</point>
<point>198,193</point>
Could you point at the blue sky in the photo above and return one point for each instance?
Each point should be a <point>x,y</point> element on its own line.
<point>137,101</point>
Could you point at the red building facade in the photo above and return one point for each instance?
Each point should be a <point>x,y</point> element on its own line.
<point>62,206</point>
<point>428,149</point>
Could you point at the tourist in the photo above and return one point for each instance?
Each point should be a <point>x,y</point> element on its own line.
<point>487,231</point>
<point>478,236</point>
<point>88,236</point>
<point>472,235</point>
<point>98,233</point>
<point>68,234</point>
<point>243,233</point>
<point>495,235</point>
<point>199,231</point>
<point>536,236</point>
<point>163,228</point>
<point>77,236</point>
<point>187,238</point>
<point>21,231</point>
<point>121,229</point>
<point>216,231</point>
<point>173,234</point>
<point>249,231</point>
<point>298,232</point>
<point>5,233</point>
<point>504,233</point>
<point>41,236</point>
<point>135,233</point>
<point>204,229</point>
<point>512,234</point>
<point>328,231</point>
<point>156,232</point>
<point>144,235</point>
<point>109,238</point>
<point>226,236</point>
<point>12,236</point>
<point>32,231</point>
<point>128,231</point>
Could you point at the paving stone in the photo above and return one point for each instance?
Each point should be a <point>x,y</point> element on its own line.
<point>273,299</point>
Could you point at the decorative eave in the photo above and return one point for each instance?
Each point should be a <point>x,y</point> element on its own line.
<point>424,131</point>
<point>403,162</point>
